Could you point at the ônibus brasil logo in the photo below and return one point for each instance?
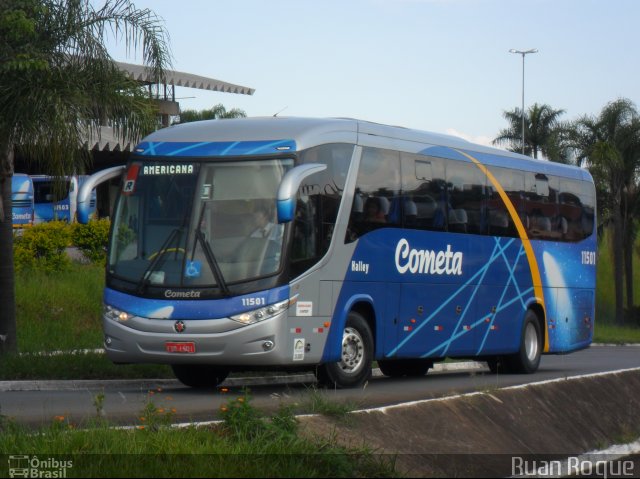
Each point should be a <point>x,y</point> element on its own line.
<point>425,261</point>
<point>33,466</point>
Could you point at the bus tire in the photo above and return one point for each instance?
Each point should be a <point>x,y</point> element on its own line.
<point>405,367</point>
<point>199,376</point>
<point>527,359</point>
<point>354,368</point>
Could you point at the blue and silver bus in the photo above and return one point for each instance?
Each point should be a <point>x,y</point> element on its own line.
<point>22,200</point>
<point>56,198</point>
<point>326,244</point>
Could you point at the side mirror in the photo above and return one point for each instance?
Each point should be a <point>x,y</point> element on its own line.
<point>289,187</point>
<point>84,195</point>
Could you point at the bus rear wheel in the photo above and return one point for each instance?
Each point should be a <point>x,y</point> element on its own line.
<point>527,359</point>
<point>354,367</point>
<point>199,376</point>
<point>405,367</point>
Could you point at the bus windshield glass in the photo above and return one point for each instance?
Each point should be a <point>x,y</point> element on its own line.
<point>198,224</point>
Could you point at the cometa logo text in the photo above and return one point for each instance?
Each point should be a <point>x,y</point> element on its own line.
<point>425,261</point>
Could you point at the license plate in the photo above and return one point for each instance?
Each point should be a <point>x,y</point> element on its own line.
<point>180,347</point>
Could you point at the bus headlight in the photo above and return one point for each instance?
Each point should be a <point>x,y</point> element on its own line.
<point>115,314</point>
<point>268,312</point>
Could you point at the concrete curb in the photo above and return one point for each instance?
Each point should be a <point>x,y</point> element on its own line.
<point>75,384</point>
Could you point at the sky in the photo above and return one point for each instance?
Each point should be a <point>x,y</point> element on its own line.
<point>436,65</point>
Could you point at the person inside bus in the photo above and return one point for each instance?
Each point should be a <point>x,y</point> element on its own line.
<point>265,227</point>
<point>373,211</point>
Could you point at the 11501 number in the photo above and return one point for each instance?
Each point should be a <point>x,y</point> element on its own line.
<point>589,257</point>
<point>254,302</point>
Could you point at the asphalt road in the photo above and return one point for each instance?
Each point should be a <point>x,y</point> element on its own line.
<point>124,400</point>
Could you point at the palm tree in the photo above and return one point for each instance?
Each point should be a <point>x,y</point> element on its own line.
<point>544,133</point>
<point>610,145</point>
<point>215,113</point>
<point>57,84</point>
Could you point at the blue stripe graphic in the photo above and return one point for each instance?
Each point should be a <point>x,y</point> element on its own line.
<point>473,295</point>
<point>215,148</point>
<point>504,293</point>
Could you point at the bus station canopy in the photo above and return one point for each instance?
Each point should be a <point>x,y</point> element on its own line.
<point>187,80</point>
<point>107,141</point>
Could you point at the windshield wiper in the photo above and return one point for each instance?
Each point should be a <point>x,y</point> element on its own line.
<point>144,280</point>
<point>208,254</point>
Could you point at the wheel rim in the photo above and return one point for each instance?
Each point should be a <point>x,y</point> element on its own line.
<point>531,342</point>
<point>352,357</point>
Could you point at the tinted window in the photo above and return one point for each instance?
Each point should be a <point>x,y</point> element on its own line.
<point>576,208</point>
<point>376,201</point>
<point>540,205</point>
<point>466,185</point>
<point>423,192</point>
<point>499,220</point>
<point>317,204</point>
<point>588,208</point>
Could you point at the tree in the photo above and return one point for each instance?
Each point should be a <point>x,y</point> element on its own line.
<point>544,133</point>
<point>58,83</point>
<point>215,113</point>
<point>610,145</point>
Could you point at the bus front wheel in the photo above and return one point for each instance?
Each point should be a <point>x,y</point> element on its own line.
<point>527,359</point>
<point>354,367</point>
<point>199,376</point>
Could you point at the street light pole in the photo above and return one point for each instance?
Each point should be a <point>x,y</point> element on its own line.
<point>523,53</point>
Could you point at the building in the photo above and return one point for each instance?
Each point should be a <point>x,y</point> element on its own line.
<point>108,150</point>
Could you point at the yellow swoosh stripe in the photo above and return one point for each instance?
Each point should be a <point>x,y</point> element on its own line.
<point>522,232</point>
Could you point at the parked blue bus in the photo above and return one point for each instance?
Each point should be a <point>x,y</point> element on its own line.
<point>22,200</point>
<point>56,198</point>
<point>325,244</point>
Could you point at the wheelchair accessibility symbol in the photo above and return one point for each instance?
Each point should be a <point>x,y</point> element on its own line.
<point>193,269</point>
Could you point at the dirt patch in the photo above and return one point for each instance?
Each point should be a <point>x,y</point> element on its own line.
<point>478,434</point>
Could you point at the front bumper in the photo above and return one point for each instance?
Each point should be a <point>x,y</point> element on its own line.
<point>217,342</point>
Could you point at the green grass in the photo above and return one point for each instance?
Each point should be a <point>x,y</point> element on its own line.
<point>605,291</point>
<point>245,444</point>
<point>76,366</point>
<point>321,402</point>
<point>605,330</point>
<point>60,311</point>
<point>610,333</point>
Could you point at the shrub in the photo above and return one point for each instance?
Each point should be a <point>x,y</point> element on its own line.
<point>92,239</point>
<point>43,247</point>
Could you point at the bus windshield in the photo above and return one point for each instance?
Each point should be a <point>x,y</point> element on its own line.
<point>198,224</point>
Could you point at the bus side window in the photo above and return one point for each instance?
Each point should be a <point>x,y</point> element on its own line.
<point>423,192</point>
<point>317,205</point>
<point>571,209</point>
<point>466,184</point>
<point>500,221</point>
<point>377,201</point>
<point>588,197</point>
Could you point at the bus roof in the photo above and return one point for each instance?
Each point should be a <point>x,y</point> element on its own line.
<point>308,132</point>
